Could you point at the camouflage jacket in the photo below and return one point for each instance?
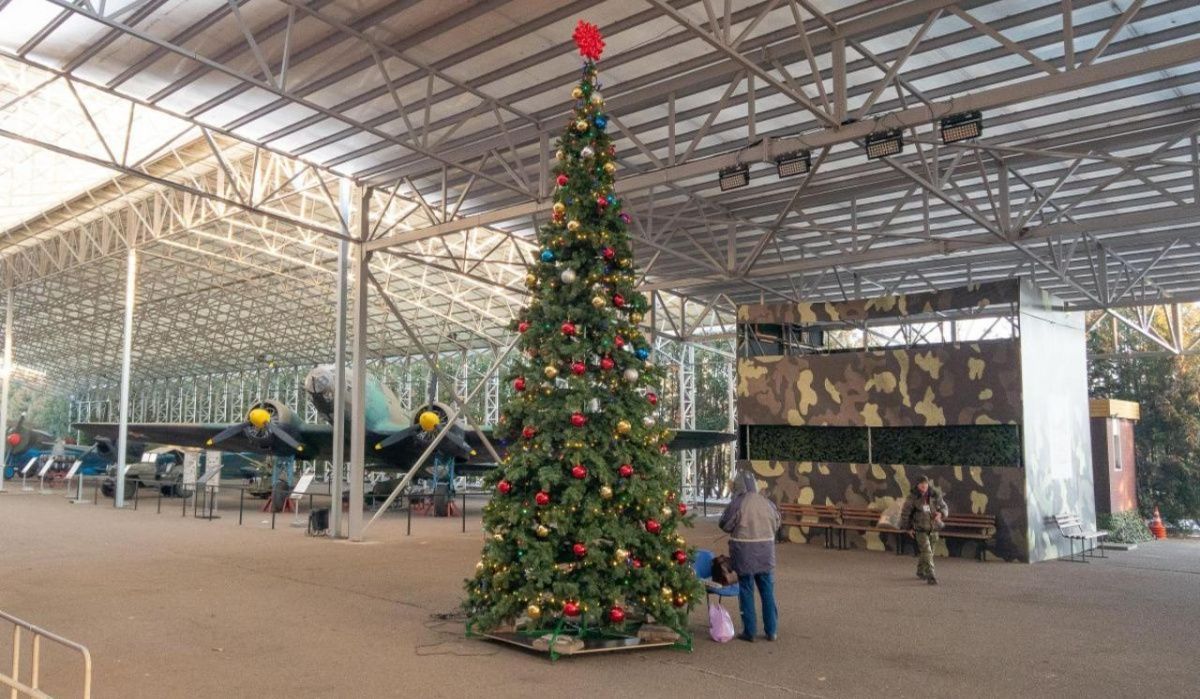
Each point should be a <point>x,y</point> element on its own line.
<point>914,514</point>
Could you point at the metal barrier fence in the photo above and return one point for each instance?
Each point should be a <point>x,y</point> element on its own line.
<point>33,688</point>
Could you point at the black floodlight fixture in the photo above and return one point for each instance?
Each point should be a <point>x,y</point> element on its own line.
<point>795,163</point>
<point>884,143</point>
<point>734,177</point>
<point>960,127</point>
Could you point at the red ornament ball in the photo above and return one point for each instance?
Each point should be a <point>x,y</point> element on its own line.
<point>637,563</point>
<point>680,601</point>
<point>578,419</point>
<point>571,609</point>
<point>601,202</point>
<point>653,398</point>
<point>504,487</point>
<point>607,253</point>
<point>562,180</point>
<point>618,300</point>
<point>542,498</point>
<point>578,472</point>
<point>579,550</point>
<point>607,363</point>
<point>612,149</point>
<point>663,449</point>
<point>619,341</point>
<point>568,328</point>
<point>528,432</point>
<point>578,368</point>
<point>522,326</point>
<point>680,556</point>
<point>625,471</point>
<point>682,508</point>
<point>616,615</point>
<point>653,526</point>
<point>519,383</point>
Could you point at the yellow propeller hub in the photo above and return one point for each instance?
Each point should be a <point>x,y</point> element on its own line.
<point>429,421</point>
<point>259,417</point>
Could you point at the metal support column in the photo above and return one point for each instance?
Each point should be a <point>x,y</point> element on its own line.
<point>5,376</point>
<point>339,367</point>
<point>126,357</point>
<point>687,416</point>
<point>358,372</point>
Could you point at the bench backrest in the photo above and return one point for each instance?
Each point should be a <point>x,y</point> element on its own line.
<point>791,511</point>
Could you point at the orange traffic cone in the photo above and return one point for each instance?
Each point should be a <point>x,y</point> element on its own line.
<point>1156,526</point>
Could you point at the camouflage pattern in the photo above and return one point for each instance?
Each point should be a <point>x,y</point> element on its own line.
<point>974,297</point>
<point>926,543</point>
<point>964,384</point>
<point>994,490</point>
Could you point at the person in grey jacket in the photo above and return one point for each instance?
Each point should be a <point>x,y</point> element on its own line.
<point>751,521</point>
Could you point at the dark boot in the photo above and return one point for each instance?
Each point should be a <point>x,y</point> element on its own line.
<point>932,580</point>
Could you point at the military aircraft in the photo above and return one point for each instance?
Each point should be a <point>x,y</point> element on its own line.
<point>25,443</point>
<point>395,440</point>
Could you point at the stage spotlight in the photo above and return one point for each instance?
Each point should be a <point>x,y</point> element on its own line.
<point>960,127</point>
<point>733,177</point>
<point>884,143</point>
<point>797,162</point>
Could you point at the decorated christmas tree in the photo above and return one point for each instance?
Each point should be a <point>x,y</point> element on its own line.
<point>583,527</point>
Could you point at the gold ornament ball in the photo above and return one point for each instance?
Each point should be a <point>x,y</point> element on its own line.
<point>533,611</point>
<point>543,531</point>
<point>606,492</point>
<point>551,372</point>
<point>668,593</point>
<point>597,99</point>
<point>610,168</point>
<point>577,93</point>
<point>679,540</point>
<point>598,302</point>
<point>622,554</point>
<point>572,225</point>
<point>498,537</point>
<point>623,427</point>
<point>479,567</point>
<point>635,317</point>
<point>559,207</point>
<point>560,154</point>
<point>581,125</point>
<point>531,280</point>
<point>666,512</point>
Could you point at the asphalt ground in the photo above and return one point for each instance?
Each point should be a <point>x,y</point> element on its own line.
<point>172,606</point>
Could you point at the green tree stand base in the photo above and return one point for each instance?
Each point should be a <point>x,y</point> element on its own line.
<point>566,638</point>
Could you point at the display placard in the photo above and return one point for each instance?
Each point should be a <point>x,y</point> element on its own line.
<point>28,466</point>
<point>74,468</point>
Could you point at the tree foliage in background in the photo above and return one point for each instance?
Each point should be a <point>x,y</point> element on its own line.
<point>1167,438</point>
<point>50,412</point>
<point>583,531</point>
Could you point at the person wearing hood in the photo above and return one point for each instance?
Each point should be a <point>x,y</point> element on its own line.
<point>751,521</point>
<point>923,516</point>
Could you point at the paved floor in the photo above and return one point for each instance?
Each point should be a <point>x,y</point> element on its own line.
<point>177,607</point>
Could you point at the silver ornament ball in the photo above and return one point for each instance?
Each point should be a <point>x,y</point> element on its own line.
<point>568,276</point>
<point>631,375</point>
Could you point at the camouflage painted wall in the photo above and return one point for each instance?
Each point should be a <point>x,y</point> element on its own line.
<point>996,490</point>
<point>963,384</point>
<point>1057,450</point>
<point>976,296</point>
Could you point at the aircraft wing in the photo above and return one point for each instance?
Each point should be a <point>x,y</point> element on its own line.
<point>315,438</point>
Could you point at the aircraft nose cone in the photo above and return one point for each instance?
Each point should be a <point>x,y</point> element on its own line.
<point>258,417</point>
<point>429,420</point>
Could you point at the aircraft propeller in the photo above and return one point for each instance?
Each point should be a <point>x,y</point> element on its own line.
<point>261,423</point>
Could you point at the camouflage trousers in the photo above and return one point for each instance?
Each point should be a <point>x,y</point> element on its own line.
<point>925,543</point>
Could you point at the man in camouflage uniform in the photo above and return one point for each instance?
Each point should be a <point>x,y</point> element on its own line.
<point>923,516</point>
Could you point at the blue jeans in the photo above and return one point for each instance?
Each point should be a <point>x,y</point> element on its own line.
<point>766,590</point>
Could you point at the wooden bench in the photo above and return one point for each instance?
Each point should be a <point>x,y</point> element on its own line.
<point>981,528</point>
<point>825,517</point>
<point>836,520</point>
<point>864,519</point>
<point>1072,529</point>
